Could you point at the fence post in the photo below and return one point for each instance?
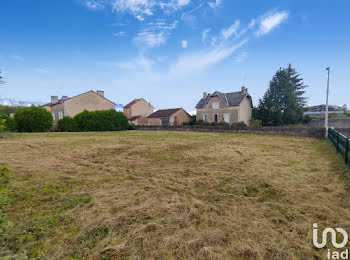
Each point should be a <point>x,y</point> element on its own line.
<point>337,142</point>
<point>346,151</point>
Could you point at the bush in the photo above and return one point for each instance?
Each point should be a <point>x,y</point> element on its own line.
<point>240,125</point>
<point>347,112</point>
<point>8,123</point>
<point>104,120</point>
<point>201,122</point>
<point>306,119</point>
<point>256,123</point>
<point>33,119</point>
<point>67,124</point>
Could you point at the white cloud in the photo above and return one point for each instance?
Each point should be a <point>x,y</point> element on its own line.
<point>184,44</point>
<point>155,34</point>
<point>199,61</point>
<point>183,2</point>
<point>228,32</point>
<point>205,34</point>
<point>271,21</point>
<point>215,4</point>
<point>241,57</point>
<point>141,8</point>
<point>141,62</point>
<point>94,4</point>
<point>119,34</point>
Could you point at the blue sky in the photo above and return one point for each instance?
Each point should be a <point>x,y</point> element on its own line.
<point>171,51</point>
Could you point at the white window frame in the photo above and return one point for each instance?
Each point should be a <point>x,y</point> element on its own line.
<point>60,114</point>
<point>205,118</point>
<point>215,105</point>
<point>229,117</point>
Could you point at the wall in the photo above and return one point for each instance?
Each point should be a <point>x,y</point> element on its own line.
<point>333,122</point>
<point>88,101</point>
<point>180,117</point>
<point>282,131</point>
<point>55,109</point>
<point>223,108</point>
<point>154,122</point>
<point>141,108</point>
<point>245,111</point>
<point>141,121</point>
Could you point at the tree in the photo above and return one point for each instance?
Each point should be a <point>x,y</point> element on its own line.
<point>283,102</point>
<point>33,119</point>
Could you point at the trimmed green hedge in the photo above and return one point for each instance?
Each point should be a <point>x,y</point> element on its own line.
<point>86,121</point>
<point>33,119</point>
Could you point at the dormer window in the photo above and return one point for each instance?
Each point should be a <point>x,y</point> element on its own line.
<point>215,105</point>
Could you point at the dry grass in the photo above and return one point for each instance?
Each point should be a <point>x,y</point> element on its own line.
<point>170,195</point>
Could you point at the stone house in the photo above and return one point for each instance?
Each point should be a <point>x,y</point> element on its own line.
<point>138,120</point>
<point>66,106</point>
<point>231,107</point>
<point>138,107</point>
<point>168,117</point>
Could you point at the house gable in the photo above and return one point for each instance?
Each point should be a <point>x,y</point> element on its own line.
<point>90,101</point>
<point>215,103</point>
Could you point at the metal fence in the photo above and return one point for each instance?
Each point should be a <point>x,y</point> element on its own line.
<point>342,144</point>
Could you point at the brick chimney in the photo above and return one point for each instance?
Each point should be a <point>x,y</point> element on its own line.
<point>54,99</point>
<point>64,97</point>
<point>244,90</point>
<point>101,93</point>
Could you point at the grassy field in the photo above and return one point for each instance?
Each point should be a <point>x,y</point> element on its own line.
<point>170,195</point>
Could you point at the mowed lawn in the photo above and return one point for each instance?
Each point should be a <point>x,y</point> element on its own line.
<point>170,195</point>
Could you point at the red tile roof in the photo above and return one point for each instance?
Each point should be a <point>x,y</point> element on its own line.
<point>132,103</point>
<point>133,118</point>
<point>164,113</point>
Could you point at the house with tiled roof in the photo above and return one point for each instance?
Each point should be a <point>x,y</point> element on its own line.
<point>168,117</point>
<point>233,107</point>
<point>71,106</point>
<point>138,107</point>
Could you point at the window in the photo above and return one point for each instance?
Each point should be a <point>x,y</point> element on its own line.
<point>215,105</point>
<point>60,115</point>
<point>215,117</point>
<point>205,118</point>
<point>227,118</point>
<point>128,111</point>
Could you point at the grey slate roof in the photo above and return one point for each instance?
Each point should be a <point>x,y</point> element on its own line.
<point>230,99</point>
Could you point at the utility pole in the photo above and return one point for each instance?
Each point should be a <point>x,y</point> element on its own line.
<point>326,117</point>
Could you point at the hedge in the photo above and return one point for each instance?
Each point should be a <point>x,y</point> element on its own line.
<point>103,120</point>
<point>33,119</point>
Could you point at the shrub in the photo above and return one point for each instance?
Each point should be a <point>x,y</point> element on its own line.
<point>240,125</point>
<point>347,112</point>
<point>132,127</point>
<point>33,119</point>
<point>2,125</point>
<point>104,120</point>
<point>201,122</point>
<point>306,119</point>
<point>8,123</point>
<point>67,124</point>
<point>256,123</point>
